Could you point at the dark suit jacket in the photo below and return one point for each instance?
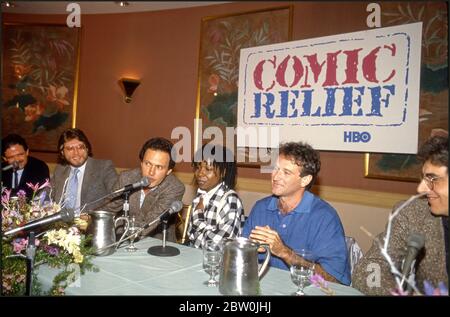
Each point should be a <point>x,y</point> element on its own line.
<point>99,179</point>
<point>36,171</point>
<point>155,202</point>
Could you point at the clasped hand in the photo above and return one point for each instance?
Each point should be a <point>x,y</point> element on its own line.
<point>266,235</point>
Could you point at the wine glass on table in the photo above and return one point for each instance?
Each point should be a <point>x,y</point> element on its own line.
<point>212,257</point>
<point>132,229</point>
<point>301,272</point>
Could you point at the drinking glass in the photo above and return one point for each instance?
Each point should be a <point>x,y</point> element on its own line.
<point>212,256</point>
<point>301,274</point>
<point>132,229</point>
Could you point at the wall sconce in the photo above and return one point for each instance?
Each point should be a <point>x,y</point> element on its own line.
<point>129,86</point>
<point>8,4</point>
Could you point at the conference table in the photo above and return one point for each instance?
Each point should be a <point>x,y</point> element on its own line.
<point>139,273</point>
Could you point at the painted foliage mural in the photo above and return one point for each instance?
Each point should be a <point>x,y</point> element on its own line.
<point>433,112</point>
<point>39,82</point>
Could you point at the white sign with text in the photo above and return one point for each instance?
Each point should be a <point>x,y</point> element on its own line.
<point>348,92</point>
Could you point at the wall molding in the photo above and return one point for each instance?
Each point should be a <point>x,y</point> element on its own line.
<point>329,193</point>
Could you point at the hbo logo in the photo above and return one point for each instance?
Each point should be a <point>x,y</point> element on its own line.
<point>355,136</point>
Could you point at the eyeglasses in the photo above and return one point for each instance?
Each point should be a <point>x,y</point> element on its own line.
<point>72,148</point>
<point>431,180</point>
<point>16,155</point>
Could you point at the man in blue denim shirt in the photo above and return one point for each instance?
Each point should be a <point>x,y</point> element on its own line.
<point>293,218</point>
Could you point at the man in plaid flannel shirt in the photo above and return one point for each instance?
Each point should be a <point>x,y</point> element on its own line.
<point>217,209</point>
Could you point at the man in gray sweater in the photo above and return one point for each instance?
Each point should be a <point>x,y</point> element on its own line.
<point>428,217</point>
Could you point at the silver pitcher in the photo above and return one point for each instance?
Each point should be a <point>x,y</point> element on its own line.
<point>103,231</point>
<point>239,274</point>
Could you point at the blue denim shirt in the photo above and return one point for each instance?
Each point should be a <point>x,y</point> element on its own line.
<point>312,225</point>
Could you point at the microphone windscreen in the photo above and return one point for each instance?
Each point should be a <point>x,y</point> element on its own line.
<point>67,215</point>
<point>416,240</point>
<point>176,206</point>
<point>144,182</point>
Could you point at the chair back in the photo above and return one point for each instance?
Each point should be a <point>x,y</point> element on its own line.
<point>354,252</point>
<point>182,223</point>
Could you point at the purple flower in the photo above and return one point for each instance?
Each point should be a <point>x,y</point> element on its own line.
<point>318,281</point>
<point>429,289</point>
<point>52,250</point>
<point>21,194</point>
<point>19,244</point>
<point>42,197</point>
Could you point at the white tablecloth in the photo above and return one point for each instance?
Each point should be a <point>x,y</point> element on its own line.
<point>140,273</point>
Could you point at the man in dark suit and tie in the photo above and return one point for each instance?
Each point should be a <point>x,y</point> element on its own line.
<point>20,167</point>
<point>80,179</point>
<point>164,188</point>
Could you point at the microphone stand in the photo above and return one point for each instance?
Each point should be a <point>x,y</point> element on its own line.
<point>164,250</point>
<point>410,273</point>
<point>30,254</point>
<point>126,203</point>
<point>129,231</point>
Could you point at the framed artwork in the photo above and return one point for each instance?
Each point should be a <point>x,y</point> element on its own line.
<point>40,79</point>
<point>222,38</point>
<point>433,111</point>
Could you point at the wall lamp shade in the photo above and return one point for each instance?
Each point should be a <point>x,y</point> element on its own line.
<point>129,86</point>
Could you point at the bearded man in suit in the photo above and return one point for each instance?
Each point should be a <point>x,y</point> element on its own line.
<point>148,203</point>
<point>80,179</point>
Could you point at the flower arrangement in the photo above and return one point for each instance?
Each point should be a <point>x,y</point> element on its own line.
<point>63,246</point>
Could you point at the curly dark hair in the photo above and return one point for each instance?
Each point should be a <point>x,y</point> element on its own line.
<point>158,144</point>
<point>304,156</point>
<point>13,139</point>
<point>222,158</point>
<point>70,134</point>
<point>435,150</point>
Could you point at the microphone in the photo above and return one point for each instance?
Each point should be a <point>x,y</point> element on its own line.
<point>14,165</point>
<point>65,215</point>
<point>416,241</point>
<point>142,183</point>
<point>173,209</point>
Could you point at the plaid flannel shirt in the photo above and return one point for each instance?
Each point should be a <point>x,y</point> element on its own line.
<point>213,224</point>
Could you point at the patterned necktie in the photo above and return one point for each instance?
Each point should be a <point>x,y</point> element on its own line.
<point>72,190</point>
<point>16,180</point>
